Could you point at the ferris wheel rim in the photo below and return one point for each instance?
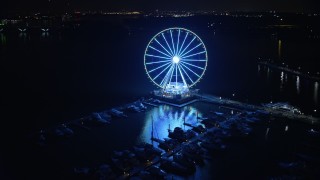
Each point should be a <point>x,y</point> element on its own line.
<point>195,36</point>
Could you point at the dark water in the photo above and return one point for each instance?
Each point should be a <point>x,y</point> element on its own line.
<point>100,64</point>
<point>50,78</point>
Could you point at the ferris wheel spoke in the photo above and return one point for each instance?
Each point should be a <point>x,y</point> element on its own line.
<point>160,51</point>
<point>150,55</point>
<point>183,43</point>
<point>191,70</point>
<point>191,50</point>
<point>168,77</point>
<point>194,54</point>
<point>161,73</point>
<point>176,75</point>
<point>160,67</point>
<point>187,46</point>
<point>170,80</point>
<point>186,73</point>
<point>184,81</point>
<point>174,51</point>
<point>167,44</point>
<point>163,46</point>
<point>178,42</point>
<point>165,79</point>
<point>193,60</point>
<point>157,62</point>
<point>192,65</point>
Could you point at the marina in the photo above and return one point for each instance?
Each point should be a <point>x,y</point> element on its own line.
<point>166,148</point>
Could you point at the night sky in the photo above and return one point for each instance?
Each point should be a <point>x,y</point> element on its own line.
<point>14,6</point>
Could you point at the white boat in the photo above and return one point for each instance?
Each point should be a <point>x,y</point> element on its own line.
<point>22,30</point>
<point>63,131</point>
<point>142,106</point>
<point>133,108</point>
<point>117,113</point>
<point>105,115</point>
<point>45,30</point>
<point>96,118</point>
<point>313,132</point>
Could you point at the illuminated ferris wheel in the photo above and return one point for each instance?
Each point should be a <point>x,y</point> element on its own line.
<point>175,59</point>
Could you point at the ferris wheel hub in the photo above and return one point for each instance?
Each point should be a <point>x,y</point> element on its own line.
<point>176,59</point>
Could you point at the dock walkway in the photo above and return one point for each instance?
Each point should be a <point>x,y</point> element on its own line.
<point>288,70</point>
<point>267,110</point>
<point>180,105</point>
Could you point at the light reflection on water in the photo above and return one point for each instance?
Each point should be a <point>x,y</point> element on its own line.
<point>298,85</point>
<point>286,77</point>
<point>3,39</point>
<point>302,92</point>
<point>165,116</point>
<point>279,48</point>
<point>44,34</point>
<point>281,81</point>
<point>315,93</point>
<point>23,35</point>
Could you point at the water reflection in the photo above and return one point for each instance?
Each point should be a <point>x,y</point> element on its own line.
<point>23,36</point>
<point>165,117</point>
<point>3,39</point>
<point>315,92</point>
<point>44,34</point>
<point>285,77</point>
<point>267,133</point>
<point>298,85</point>
<point>268,73</point>
<point>279,48</point>
<point>281,81</point>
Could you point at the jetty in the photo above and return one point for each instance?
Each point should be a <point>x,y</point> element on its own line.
<point>263,109</point>
<point>289,70</point>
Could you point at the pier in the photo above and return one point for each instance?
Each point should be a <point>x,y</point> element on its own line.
<point>231,108</point>
<point>179,105</point>
<point>266,110</point>
<point>288,70</point>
